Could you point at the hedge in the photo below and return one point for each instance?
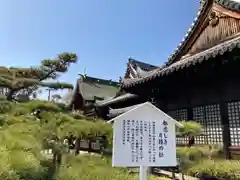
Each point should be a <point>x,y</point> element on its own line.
<point>221,169</point>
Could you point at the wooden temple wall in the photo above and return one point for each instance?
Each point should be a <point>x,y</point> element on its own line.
<point>217,111</point>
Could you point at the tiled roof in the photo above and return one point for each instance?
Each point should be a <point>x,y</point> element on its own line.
<point>186,62</point>
<point>92,88</point>
<point>137,68</point>
<point>144,66</point>
<point>115,100</point>
<point>230,4</point>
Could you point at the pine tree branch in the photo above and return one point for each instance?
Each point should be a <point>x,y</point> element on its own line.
<point>22,78</point>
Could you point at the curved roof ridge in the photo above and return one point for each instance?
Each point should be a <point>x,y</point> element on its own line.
<point>230,4</point>
<point>226,46</point>
<point>190,31</point>
<point>141,62</point>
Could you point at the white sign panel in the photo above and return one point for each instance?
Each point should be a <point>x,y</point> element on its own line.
<point>144,136</point>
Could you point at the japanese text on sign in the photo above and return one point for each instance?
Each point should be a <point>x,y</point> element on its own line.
<point>135,131</point>
<point>144,136</point>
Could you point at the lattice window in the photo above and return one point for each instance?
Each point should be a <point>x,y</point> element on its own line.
<point>199,117</point>
<point>95,146</point>
<point>214,125</point>
<point>2,91</point>
<point>180,114</point>
<point>84,144</point>
<point>209,117</point>
<point>234,122</point>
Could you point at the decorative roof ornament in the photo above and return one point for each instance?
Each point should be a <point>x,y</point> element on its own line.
<point>214,19</point>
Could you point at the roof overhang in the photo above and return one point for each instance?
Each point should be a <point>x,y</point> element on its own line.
<point>219,49</point>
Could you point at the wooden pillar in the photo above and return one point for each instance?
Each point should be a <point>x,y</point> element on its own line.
<point>189,113</point>
<point>189,104</point>
<point>225,129</point>
<point>224,109</point>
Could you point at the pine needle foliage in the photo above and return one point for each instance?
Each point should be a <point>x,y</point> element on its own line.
<point>17,78</point>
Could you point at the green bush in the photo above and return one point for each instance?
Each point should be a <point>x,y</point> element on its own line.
<point>76,115</point>
<point>10,119</point>
<point>23,138</point>
<point>2,119</point>
<point>222,169</point>
<point>64,107</point>
<point>213,151</point>
<point>26,165</point>
<point>42,105</point>
<point>19,110</point>
<point>190,127</point>
<point>193,153</point>
<point>3,98</point>
<point>87,167</point>
<point>6,107</point>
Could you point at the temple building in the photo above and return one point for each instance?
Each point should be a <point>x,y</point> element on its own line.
<point>89,90</point>
<point>124,101</point>
<point>200,81</point>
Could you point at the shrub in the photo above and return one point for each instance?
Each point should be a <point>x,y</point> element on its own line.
<point>42,105</point>
<point>89,168</point>
<point>189,127</point>
<point>19,110</point>
<point>6,107</point>
<point>2,119</point>
<point>86,167</point>
<point>221,169</point>
<point>3,98</point>
<point>76,115</point>
<point>193,153</point>
<point>26,165</point>
<point>213,151</point>
<point>10,119</point>
<point>64,107</point>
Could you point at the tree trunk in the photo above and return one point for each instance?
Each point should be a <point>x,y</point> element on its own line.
<point>10,94</point>
<point>77,146</point>
<point>54,158</point>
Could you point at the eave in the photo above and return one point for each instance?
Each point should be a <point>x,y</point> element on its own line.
<point>118,99</point>
<point>199,58</point>
<point>198,21</point>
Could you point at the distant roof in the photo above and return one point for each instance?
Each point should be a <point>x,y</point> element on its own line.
<point>92,88</point>
<point>137,69</point>
<point>143,65</point>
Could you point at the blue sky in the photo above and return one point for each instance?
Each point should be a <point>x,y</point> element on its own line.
<point>103,33</point>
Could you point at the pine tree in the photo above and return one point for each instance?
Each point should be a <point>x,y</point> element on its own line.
<point>20,79</point>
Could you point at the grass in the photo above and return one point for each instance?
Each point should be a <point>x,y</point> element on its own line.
<point>87,167</point>
<point>23,137</point>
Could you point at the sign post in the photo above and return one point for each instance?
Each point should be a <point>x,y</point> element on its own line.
<point>143,173</point>
<point>144,137</point>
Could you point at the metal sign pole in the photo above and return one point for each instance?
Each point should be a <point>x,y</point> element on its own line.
<point>143,173</point>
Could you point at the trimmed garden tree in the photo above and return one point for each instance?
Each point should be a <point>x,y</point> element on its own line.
<point>25,79</point>
<point>190,129</point>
